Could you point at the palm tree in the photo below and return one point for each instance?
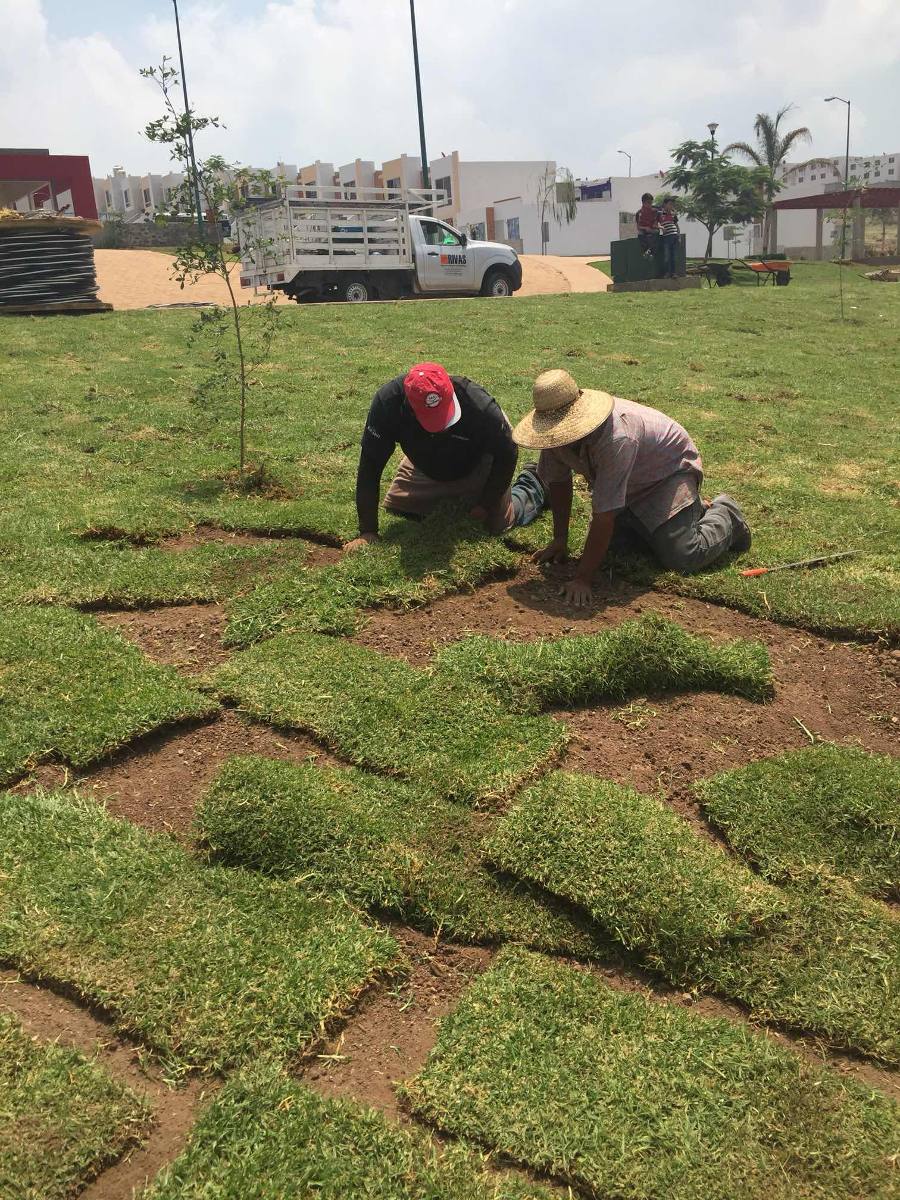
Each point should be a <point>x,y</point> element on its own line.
<point>771,150</point>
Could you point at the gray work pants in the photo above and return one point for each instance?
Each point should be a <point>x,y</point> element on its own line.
<point>689,541</point>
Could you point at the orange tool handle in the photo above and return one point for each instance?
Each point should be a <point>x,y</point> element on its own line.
<point>756,571</point>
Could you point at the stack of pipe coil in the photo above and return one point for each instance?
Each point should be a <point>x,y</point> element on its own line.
<point>47,263</point>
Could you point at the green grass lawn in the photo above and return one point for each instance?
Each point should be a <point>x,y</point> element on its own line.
<point>266,1136</point>
<point>62,1118</point>
<point>623,1096</point>
<point>72,689</point>
<point>787,403</point>
<point>451,740</point>
<point>383,845</point>
<point>829,808</point>
<point>208,966</point>
<point>814,955</point>
<point>647,656</point>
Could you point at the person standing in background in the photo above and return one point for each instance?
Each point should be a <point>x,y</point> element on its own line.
<point>668,226</point>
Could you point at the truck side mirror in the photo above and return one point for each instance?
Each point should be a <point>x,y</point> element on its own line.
<point>465,240</point>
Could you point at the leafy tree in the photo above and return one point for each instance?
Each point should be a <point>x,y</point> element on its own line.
<point>771,150</point>
<point>557,201</point>
<point>712,189</point>
<point>239,345</point>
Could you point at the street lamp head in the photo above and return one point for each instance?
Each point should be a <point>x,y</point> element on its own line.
<point>712,127</point>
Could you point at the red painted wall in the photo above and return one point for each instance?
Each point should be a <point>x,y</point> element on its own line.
<point>66,172</point>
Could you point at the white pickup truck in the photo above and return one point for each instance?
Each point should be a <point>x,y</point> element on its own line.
<point>321,243</point>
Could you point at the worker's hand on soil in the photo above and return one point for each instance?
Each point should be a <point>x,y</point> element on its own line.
<point>578,592</point>
<point>556,552</point>
<point>364,539</point>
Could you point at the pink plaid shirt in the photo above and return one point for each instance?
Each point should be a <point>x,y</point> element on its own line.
<point>638,459</point>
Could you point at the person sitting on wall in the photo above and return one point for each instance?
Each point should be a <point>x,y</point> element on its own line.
<point>647,218</point>
<point>644,472</point>
<point>457,443</point>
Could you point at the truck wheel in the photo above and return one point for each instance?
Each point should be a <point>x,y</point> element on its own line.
<point>497,283</point>
<point>354,291</point>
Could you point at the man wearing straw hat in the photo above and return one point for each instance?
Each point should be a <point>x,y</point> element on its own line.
<point>644,472</point>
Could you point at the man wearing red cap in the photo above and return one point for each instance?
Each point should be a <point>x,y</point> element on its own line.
<point>457,443</point>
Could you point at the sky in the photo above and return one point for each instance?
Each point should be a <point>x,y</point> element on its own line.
<point>570,80</point>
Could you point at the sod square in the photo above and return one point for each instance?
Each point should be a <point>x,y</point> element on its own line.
<point>62,1118</point>
<point>831,808</point>
<point>449,739</point>
<point>265,1135</point>
<point>647,656</point>
<point>621,1095</point>
<point>411,564</point>
<point>72,689</point>
<point>206,965</point>
<point>384,846</point>
<point>635,866</point>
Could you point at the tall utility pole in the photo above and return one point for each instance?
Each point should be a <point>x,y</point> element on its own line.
<point>828,99</point>
<point>628,156</point>
<point>422,150</point>
<point>189,128</point>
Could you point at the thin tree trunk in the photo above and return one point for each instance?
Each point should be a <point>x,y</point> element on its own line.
<point>709,241</point>
<point>237,331</point>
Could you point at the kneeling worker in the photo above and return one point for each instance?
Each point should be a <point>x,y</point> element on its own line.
<point>457,443</point>
<point>644,472</point>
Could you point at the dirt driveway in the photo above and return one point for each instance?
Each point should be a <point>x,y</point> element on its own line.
<point>140,278</point>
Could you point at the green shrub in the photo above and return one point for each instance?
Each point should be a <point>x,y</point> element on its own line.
<point>447,738</point>
<point>381,844</point>
<point>206,965</point>
<point>826,807</point>
<point>642,657</point>
<point>625,1096</point>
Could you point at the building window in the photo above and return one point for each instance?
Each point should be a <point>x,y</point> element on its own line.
<point>443,185</point>
<point>109,199</point>
<point>512,229</point>
<point>877,173</point>
<point>891,159</point>
<point>801,179</point>
<point>126,199</point>
<point>890,170</point>
<point>393,184</point>
<point>866,176</point>
<point>147,197</point>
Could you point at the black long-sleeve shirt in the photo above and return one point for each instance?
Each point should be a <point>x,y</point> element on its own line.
<point>452,454</point>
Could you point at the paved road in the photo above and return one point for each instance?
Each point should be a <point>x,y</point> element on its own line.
<point>139,278</point>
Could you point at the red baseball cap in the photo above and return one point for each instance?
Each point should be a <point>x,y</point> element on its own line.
<point>429,390</point>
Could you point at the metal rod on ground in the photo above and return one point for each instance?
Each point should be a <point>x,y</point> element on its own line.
<point>806,562</point>
<point>422,150</point>
<point>190,132</point>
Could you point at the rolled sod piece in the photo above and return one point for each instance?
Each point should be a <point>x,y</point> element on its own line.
<point>208,966</point>
<point>833,808</point>
<point>62,1118</point>
<point>646,656</point>
<point>265,1135</point>
<point>450,738</point>
<point>621,1095</point>
<point>636,866</point>
<point>72,689</point>
<point>384,846</point>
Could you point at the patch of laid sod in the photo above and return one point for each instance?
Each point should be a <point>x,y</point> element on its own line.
<point>412,563</point>
<point>206,965</point>
<point>635,866</point>
<point>625,1096</point>
<point>384,846</point>
<point>62,1118</point>
<point>826,807</point>
<point>266,1135</point>
<point>450,739</point>
<point>71,688</point>
<point>646,656</point>
<point>816,956</point>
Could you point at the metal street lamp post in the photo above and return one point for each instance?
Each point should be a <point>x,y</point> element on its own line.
<point>828,100</point>
<point>628,156</point>
<point>415,43</point>
<point>190,133</point>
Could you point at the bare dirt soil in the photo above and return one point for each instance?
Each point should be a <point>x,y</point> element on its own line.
<point>141,278</point>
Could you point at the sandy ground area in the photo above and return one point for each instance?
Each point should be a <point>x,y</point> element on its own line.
<point>140,278</point>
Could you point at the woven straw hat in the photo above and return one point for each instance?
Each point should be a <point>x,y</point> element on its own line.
<point>563,412</point>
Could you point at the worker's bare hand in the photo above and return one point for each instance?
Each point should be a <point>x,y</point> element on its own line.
<point>364,539</point>
<point>577,592</point>
<point>556,552</point>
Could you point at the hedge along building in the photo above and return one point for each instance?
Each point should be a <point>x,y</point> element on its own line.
<point>37,179</point>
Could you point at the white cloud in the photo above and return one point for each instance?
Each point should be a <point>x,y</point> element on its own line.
<point>332,79</point>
